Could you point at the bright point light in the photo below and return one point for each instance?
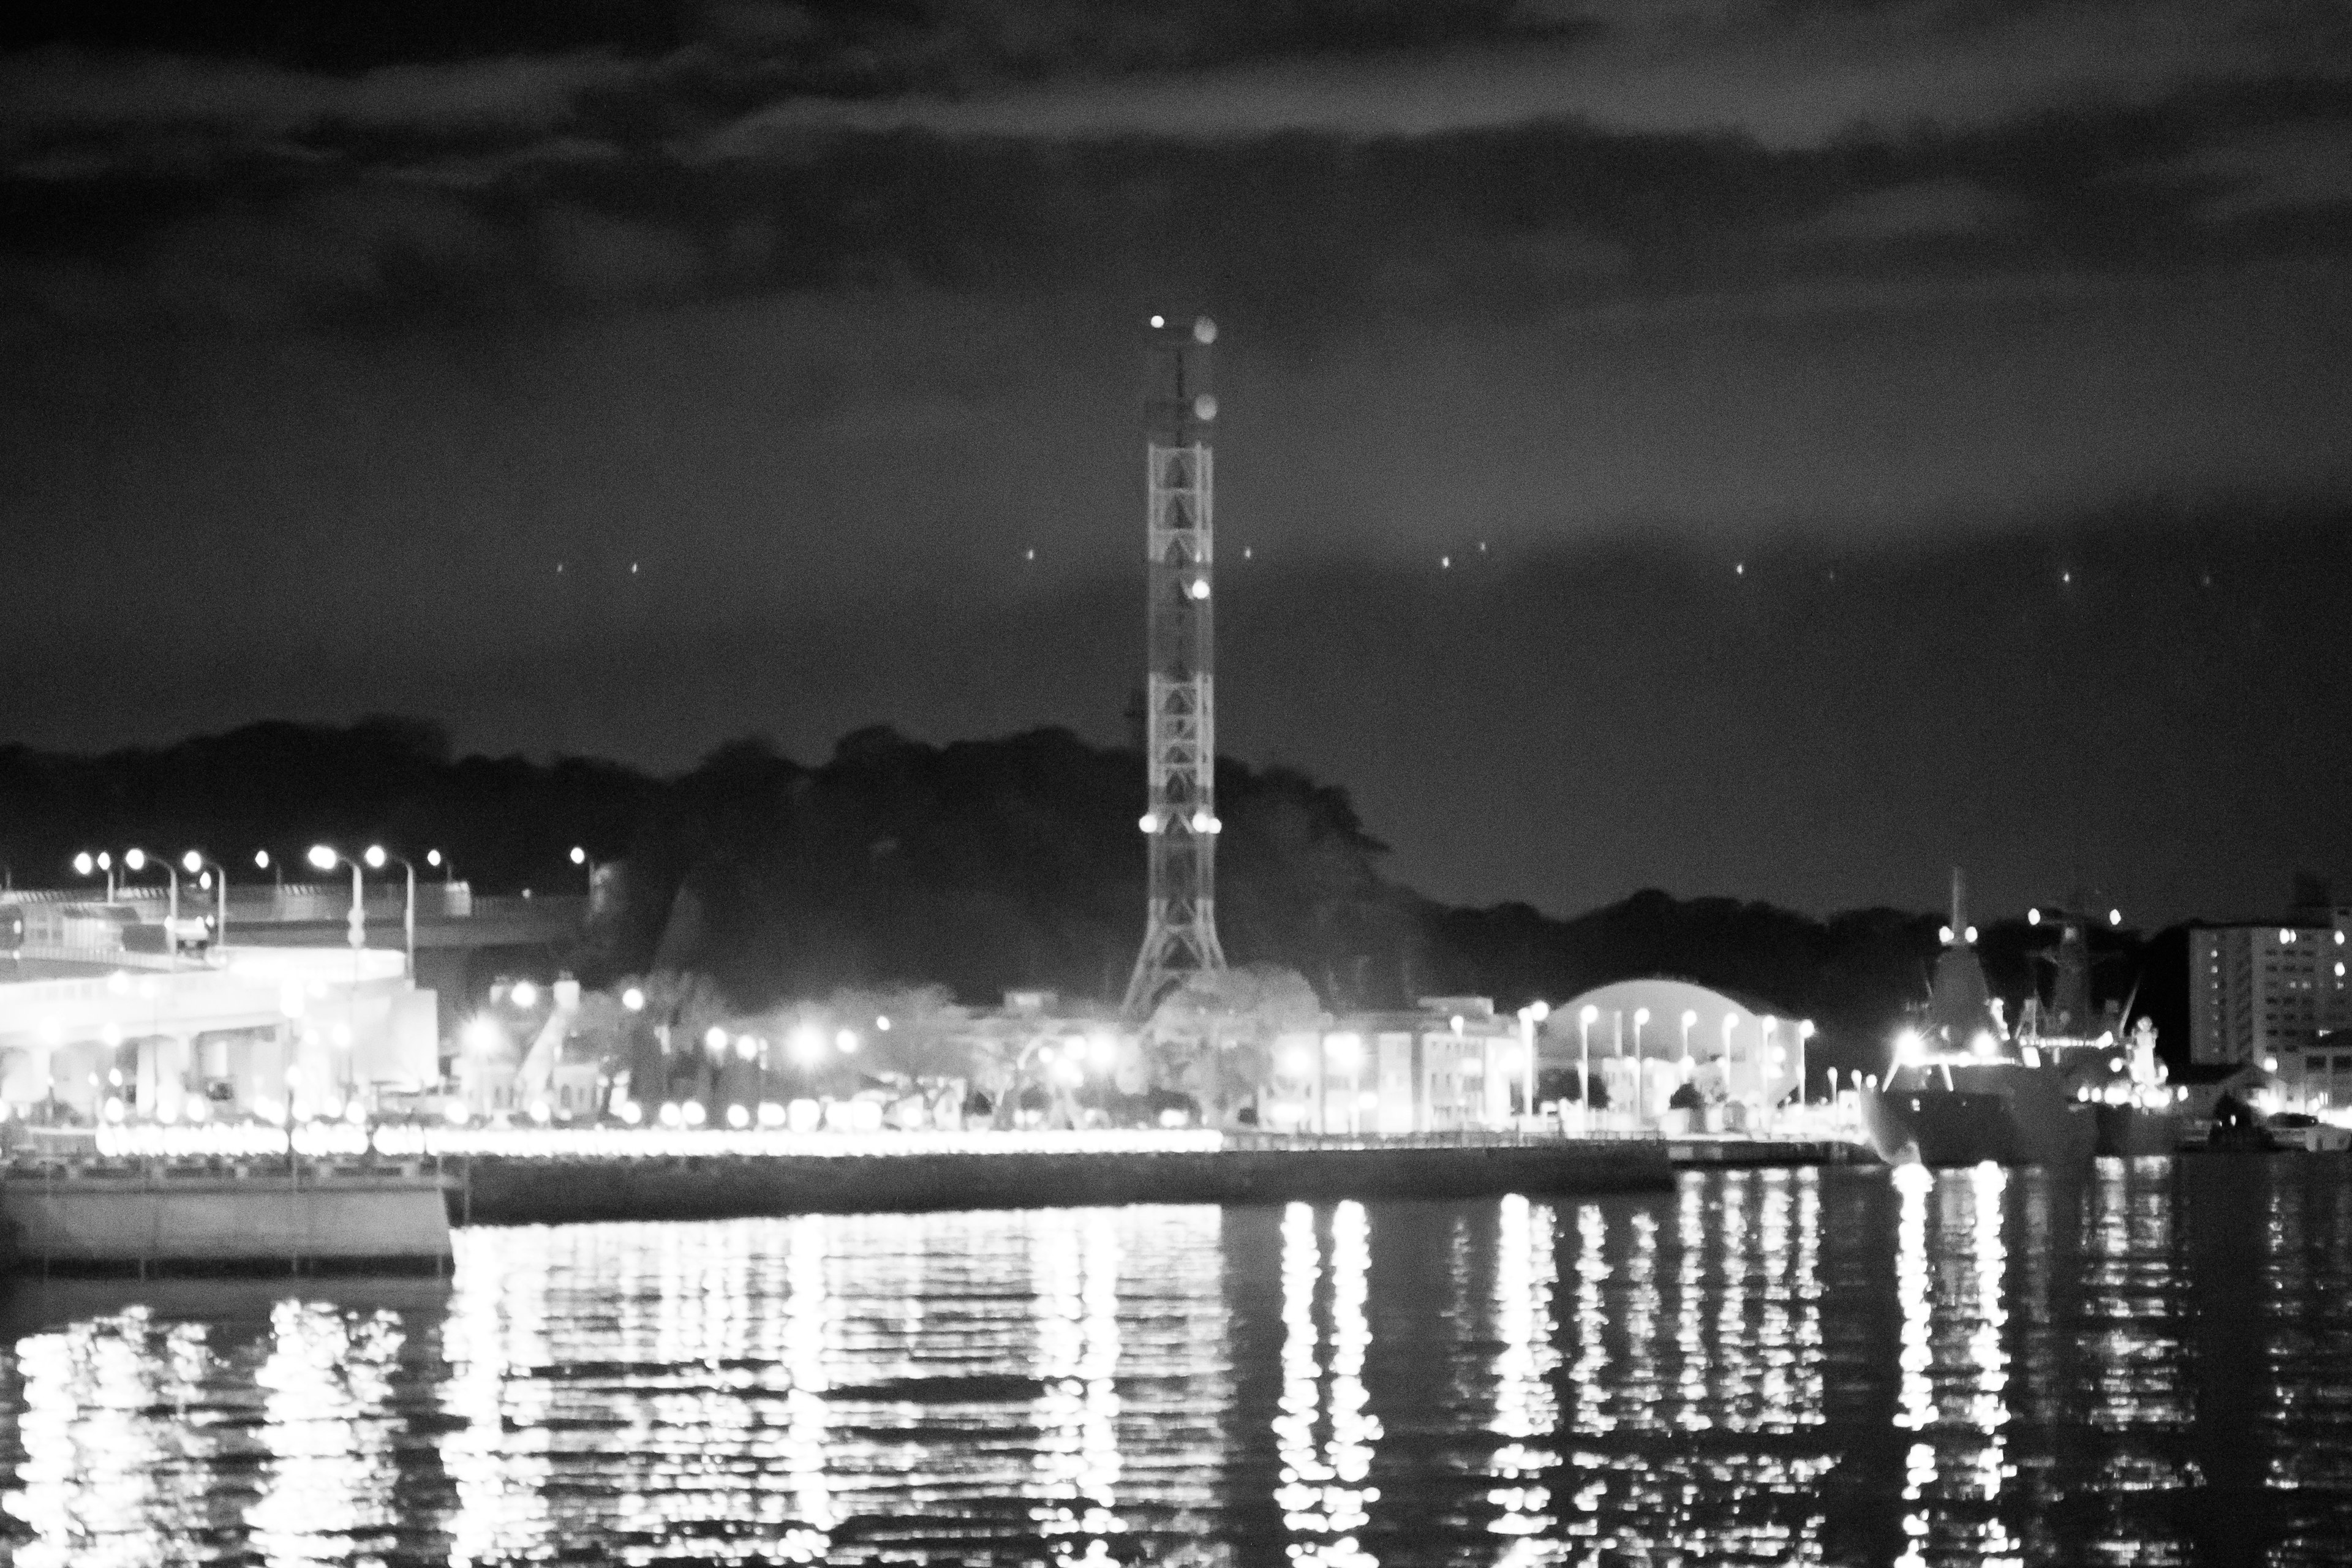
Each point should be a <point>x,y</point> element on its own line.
<point>192,862</point>
<point>1201,822</point>
<point>670,1115</point>
<point>808,1046</point>
<point>738,1118</point>
<point>374,856</point>
<point>2115,1063</point>
<point>1981,1043</point>
<point>1200,589</point>
<point>579,856</point>
<point>1690,1016</point>
<point>541,1113</point>
<point>846,1042</point>
<point>1805,1030</point>
<point>1944,934</point>
<point>261,859</point>
<point>433,858</point>
<point>2270,1064</point>
<point>1148,823</point>
<point>632,1112</point>
<point>881,1025</point>
<point>1204,330</point>
<point>1158,322</point>
<point>1539,1011</point>
<point>2115,917</point>
<point>693,1114</point>
<point>205,881</point>
<point>1368,1100</point>
<point>1297,1064</point>
<point>747,1046</point>
<point>771,1114</point>
<point>1103,1051</point>
<point>198,1110</point>
<point>324,857</point>
<point>1205,407</point>
<point>2034,917</point>
<point>1455,1023</point>
<point>1345,1050</point>
<point>1641,1016</point>
<point>633,1000</point>
<point>1973,936</point>
<point>525,995</point>
<point>1777,1056</point>
<point>1908,1047</point>
<point>1589,1015</point>
<point>136,859</point>
<point>1071,1069</point>
<point>483,1036</point>
<point>714,1039</point>
<point>83,864</point>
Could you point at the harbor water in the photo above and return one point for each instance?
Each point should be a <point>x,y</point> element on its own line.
<point>2145,1361</point>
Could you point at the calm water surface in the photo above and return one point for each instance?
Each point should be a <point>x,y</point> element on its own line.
<point>2149,1362</point>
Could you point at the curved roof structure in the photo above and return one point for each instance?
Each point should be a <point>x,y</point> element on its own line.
<point>1723,1027</point>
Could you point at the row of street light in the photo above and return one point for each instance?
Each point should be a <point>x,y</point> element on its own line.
<point>1590,1014</point>
<point>213,875</point>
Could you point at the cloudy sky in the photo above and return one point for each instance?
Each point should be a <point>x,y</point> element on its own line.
<point>1744,447</point>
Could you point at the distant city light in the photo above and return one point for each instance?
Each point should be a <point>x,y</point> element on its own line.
<point>83,865</point>
<point>1944,935</point>
<point>374,856</point>
<point>882,1024</point>
<point>634,999</point>
<point>525,995</point>
<point>1973,936</point>
<point>433,858</point>
<point>2115,917</point>
<point>846,1042</point>
<point>261,859</point>
<point>747,1047</point>
<point>134,859</point>
<point>2034,917</point>
<point>192,862</point>
<point>324,857</point>
<point>714,1040</point>
<point>807,1046</point>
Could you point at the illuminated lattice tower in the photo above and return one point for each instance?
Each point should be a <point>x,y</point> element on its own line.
<point>1180,818</point>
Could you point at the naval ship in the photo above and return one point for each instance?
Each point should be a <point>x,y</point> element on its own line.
<point>2136,1110</point>
<point>1961,1089</point>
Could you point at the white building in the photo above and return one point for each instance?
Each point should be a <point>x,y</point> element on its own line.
<point>2258,992</point>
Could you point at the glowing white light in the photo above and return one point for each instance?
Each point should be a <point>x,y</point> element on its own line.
<point>113,1108</point>
<point>693,1114</point>
<point>633,1000</point>
<point>482,1035</point>
<point>525,995</point>
<point>1204,330</point>
<point>1368,1100</point>
<point>261,859</point>
<point>1297,1063</point>
<point>846,1042</point>
<point>1539,1011</point>
<point>1455,1023</point>
<point>1983,1043</point>
<point>374,856</point>
<point>2285,934</point>
<point>771,1114</point>
<point>433,858</point>
<point>1908,1047</point>
<point>83,864</point>
<point>1944,934</point>
<point>579,856</point>
<point>747,1046</point>
<point>669,1115</point>
<point>2034,917</point>
<point>1071,1069</point>
<point>2115,917</point>
<point>135,859</point>
<point>1641,1017</point>
<point>542,1112</point>
<point>738,1118</point>
<point>1159,322</point>
<point>632,1112</point>
<point>1199,822</point>
<point>881,1025</point>
<point>192,862</point>
<point>1148,823</point>
<point>1103,1051</point>
<point>1589,1015</point>
<point>714,1040</point>
<point>324,857</point>
<point>1200,589</point>
<point>2270,1064</point>
<point>1345,1050</point>
<point>198,1110</point>
<point>1973,936</point>
<point>1205,407</point>
<point>808,1046</point>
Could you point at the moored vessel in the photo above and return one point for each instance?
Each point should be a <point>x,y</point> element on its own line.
<point>1961,1089</point>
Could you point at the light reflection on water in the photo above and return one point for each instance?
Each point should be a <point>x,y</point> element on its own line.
<point>2147,1363</point>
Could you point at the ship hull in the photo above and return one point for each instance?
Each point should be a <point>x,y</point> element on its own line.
<point>2131,1131</point>
<point>1935,1126</point>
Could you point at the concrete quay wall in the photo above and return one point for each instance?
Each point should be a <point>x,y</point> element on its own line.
<point>520,1191</point>
<point>182,1221</point>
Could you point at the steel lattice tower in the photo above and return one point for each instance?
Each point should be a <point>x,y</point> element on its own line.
<point>1180,818</point>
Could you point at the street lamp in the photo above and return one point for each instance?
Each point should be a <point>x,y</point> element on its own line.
<point>86,864</point>
<point>1804,1033</point>
<point>195,861</point>
<point>136,861</point>
<point>432,858</point>
<point>1763,1059</point>
<point>377,855</point>
<point>1690,1016</point>
<point>1641,1017</point>
<point>1531,1017</point>
<point>327,859</point>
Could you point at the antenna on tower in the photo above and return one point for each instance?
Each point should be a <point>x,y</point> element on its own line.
<point>1180,744</point>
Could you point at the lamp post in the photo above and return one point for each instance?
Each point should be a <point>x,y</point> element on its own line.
<point>136,861</point>
<point>1730,1084</point>
<point>1641,1017</point>
<point>195,861</point>
<point>377,855</point>
<point>433,858</point>
<point>1804,1033</point>
<point>1763,1062</point>
<point>1690,1016</point>
<point>326,859</point>
<point>1530,1017</point>
<point>86,864</point>
<point>264,861</point>
<point>1584,1064</point>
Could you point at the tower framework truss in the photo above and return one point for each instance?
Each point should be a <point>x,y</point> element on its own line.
<point>1179,820</point>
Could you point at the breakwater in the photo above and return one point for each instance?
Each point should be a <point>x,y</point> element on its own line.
<point>521,1190</point>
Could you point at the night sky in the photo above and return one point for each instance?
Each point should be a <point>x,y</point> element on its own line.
<point>1772,449</point>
